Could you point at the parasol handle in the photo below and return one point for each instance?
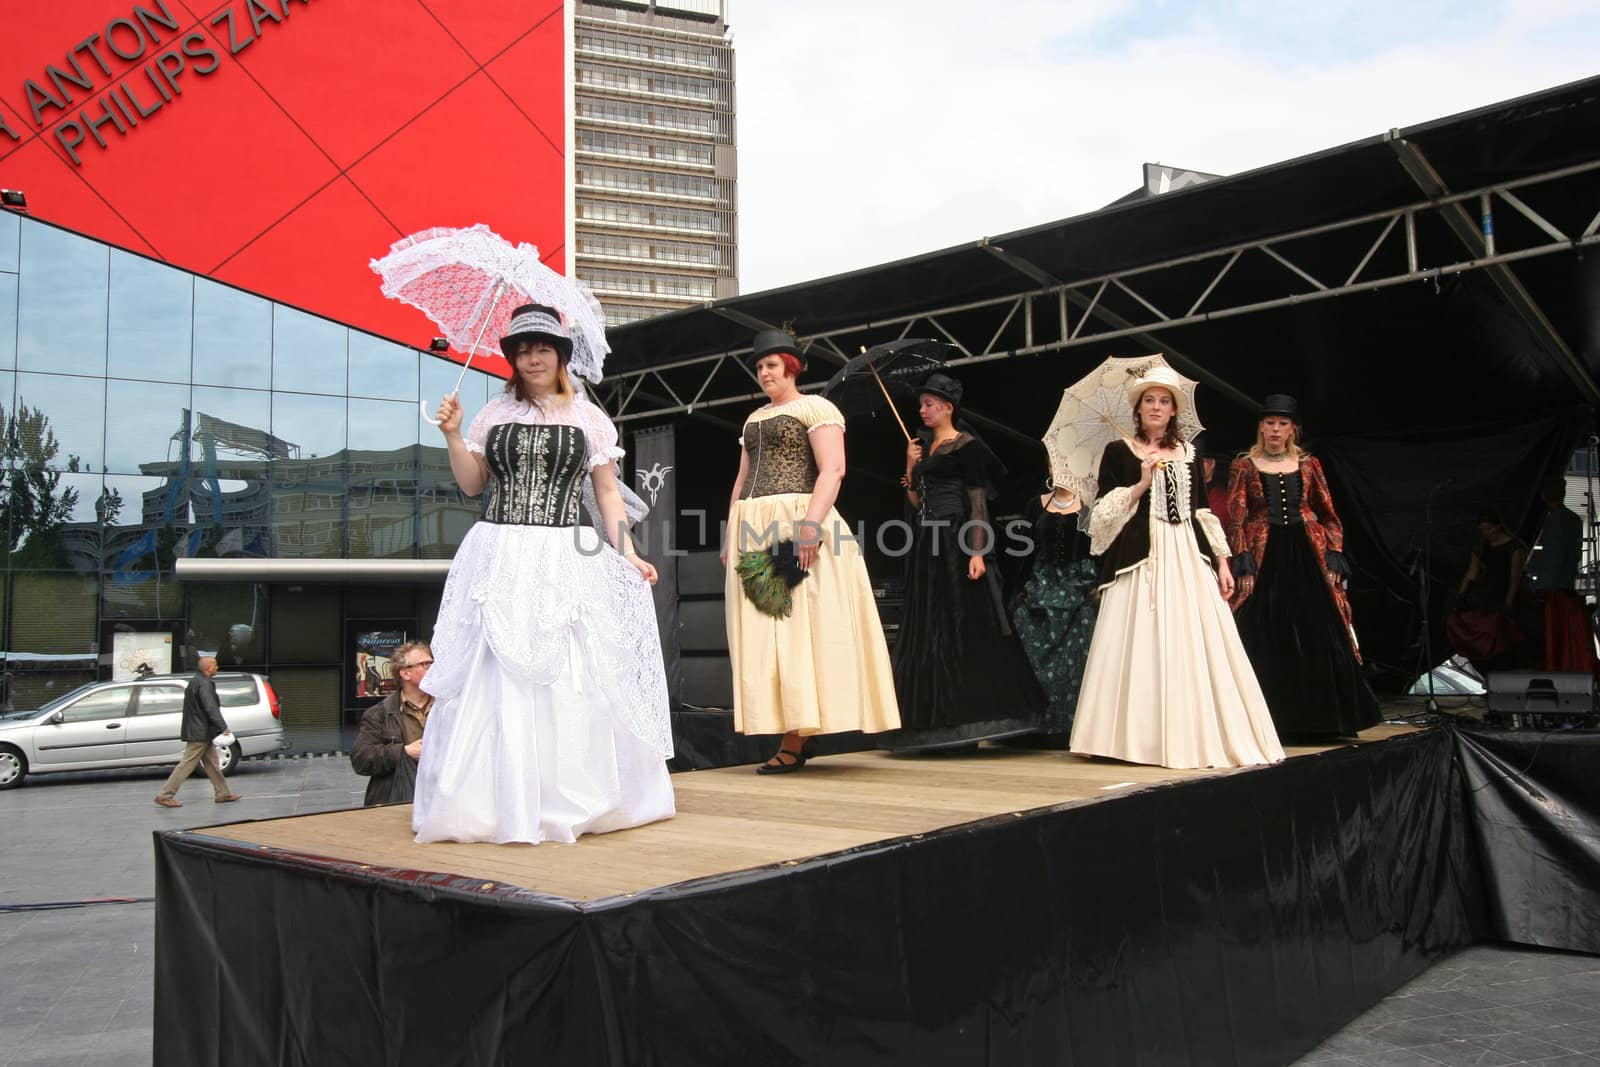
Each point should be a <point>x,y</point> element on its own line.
<point>422,405</point>
<point>892,409</point>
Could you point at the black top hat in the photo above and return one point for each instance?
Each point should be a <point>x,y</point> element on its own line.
<point>1280,404</point>
<point>942,386</point>
<point>537,322</point>
<point>768,342</point>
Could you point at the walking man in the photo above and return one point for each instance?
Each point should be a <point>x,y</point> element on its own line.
<point>202,721</point>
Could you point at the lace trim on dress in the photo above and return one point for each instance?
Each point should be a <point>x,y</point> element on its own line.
<point>1110,514</point>
<point>1211,526</point>
<point>826,422</point>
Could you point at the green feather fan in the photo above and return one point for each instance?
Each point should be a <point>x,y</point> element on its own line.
<point>765,584</point>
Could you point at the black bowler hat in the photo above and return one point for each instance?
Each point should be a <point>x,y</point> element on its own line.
<point>1280,404</point>
<point>768,342</point>
<point>942,386</point>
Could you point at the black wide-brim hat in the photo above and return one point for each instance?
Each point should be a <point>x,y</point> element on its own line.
<point>536,322</point>
<point>769,342</point>
<point>1280,404</point>
<point>942,386</point>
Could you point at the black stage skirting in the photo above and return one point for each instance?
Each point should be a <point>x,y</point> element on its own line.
<point>705,739</point>
<point>1231,919</point>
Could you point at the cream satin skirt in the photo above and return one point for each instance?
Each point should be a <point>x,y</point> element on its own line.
<point>1167,681</point>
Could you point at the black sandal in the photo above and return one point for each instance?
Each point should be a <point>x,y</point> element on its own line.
<point>795,762</point>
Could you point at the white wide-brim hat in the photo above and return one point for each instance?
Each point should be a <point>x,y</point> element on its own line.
<point>1166,378</point>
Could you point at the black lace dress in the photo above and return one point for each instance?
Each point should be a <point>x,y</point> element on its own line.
<point>1054,612</point>
<point>959,670</point>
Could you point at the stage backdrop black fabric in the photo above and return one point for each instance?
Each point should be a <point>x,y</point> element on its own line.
<point>1234,919</point>
<point>1535,802</point>
<point>1407,499</point>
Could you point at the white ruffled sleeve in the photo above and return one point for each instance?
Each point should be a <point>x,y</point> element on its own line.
<point>819,412</point>
<point>601,435</point>
<point>1110,514</point>
<point>487,416</point>
<point>1211,526</point>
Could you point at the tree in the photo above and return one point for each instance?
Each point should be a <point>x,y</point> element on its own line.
<point>33,503</point>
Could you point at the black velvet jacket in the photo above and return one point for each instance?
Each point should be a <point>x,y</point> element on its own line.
<point>1119,467</point>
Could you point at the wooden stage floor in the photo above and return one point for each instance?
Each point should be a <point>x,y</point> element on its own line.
<point>732,819</point>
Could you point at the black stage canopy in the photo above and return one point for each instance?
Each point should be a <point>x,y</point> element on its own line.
<point>1431,285</point>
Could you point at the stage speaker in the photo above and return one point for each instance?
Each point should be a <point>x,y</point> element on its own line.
<point>1542,700</point>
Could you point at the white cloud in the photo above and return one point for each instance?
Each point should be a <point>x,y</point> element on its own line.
<point>869,131</point>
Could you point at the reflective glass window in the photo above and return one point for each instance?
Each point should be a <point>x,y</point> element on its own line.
<point>160,699</point>
<point>382,479</point>
<point>62,309</point>
<point>10,228</point>
<point>308,520</point>
<point>149,429</point>
<point>232,337</point>
<point>144,521</point>
<point>53,522</point>
<point>310,432</point>
<point>306,625</point>
<point>438,378</point>
<point>382,369</point>
<point>8,320</point>
<point>152,320</point>
<point>63,420</point>
<point>101,704</point>
<point>52,615</point>
<point>232,431</point>
<point>228,621</point>
<point>308,353</point>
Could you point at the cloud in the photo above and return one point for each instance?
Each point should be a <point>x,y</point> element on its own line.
<point>870,132</point>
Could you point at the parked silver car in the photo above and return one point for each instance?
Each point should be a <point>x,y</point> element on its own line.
<point>132,724</point>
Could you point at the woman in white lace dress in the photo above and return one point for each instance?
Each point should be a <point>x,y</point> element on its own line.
<point>551,717</point>
<point>1167,681</point>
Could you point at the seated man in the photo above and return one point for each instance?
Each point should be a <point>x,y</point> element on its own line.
<point>389,742</point>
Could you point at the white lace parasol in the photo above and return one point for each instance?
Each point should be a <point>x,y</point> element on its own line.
<point>1095,411</point>
<point>469,281</point>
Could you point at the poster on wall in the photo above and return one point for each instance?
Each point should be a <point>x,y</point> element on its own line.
<point>375,674</point>
<point>138,655</point>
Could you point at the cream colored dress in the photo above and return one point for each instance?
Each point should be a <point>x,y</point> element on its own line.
<point>1167,681</point>
<point>825,668</point>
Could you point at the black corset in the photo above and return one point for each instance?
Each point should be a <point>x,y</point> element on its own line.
<point>535,474</point>
<point>1282,493</point>
<point>780,457</point>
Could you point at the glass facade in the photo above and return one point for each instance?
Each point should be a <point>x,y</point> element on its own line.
<point>151,414</point>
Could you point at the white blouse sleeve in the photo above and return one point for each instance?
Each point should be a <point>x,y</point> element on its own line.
<point>1211,526</point>
<point>1110,514</point>
<point>601,435</point>
<point>478,432</point>
<point>820,412</point>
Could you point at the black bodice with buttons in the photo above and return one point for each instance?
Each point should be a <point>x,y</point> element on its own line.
<point>1282,493</point>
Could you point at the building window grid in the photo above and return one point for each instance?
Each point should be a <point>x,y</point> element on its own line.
<point>680,87</point>
<point>651,215</point>
<point>655,149</point>
<point>710,58</point>
<point>626,281</point>
<point>653,183</point>
<point>652,116</point>
<point>681,252</point>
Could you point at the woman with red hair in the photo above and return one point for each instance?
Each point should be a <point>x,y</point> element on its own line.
<point>804,638</point>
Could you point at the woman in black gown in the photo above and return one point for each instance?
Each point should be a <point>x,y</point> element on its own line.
<point>1289,600</point>
<point>959,671</point>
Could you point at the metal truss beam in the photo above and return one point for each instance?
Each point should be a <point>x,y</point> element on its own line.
<point>1478,237</point>
<point>1096,324</point>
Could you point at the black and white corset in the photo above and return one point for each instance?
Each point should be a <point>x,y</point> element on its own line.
<point>536,473</point>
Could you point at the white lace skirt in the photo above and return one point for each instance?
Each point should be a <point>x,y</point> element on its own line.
<point>550,717</point>
<point>1167,681</point>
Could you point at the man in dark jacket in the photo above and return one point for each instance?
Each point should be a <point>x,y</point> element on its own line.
<point>389,742</point>
<point>202,722</point>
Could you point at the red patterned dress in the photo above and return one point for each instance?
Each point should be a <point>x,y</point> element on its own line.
<point>1295,622</point>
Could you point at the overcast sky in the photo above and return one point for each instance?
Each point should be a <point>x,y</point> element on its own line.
<point>870,130</point>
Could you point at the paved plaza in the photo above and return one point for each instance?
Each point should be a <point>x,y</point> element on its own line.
<point>75,986</point>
